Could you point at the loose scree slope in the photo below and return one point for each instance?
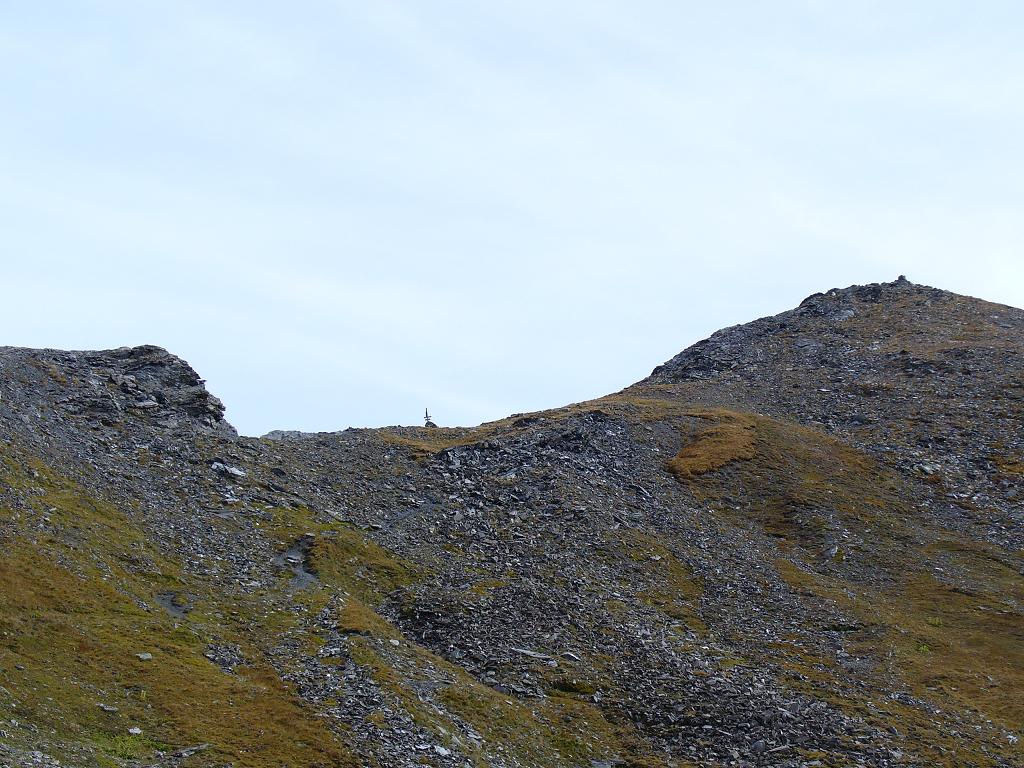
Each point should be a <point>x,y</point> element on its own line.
<point>798,542</point>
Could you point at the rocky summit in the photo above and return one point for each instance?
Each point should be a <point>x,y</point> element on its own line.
<point>797,543</point>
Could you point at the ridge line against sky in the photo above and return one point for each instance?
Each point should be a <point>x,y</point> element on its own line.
<point>340,213</point>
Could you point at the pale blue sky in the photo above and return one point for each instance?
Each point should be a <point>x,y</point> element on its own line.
<point>340,212</point>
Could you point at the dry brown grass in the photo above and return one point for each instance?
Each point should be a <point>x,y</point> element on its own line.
<point>1009,466</point>
<point>962,650</point>
<point>73,618</point>
<point>785,477</point>
<point>961,647</point>
<point>731,437</point>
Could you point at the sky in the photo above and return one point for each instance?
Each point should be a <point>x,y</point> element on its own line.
<point>341,213</point>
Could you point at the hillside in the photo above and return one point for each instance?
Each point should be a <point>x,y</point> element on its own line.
<point>798,542</point>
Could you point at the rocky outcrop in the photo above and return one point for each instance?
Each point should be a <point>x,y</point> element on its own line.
<point>112,387</point>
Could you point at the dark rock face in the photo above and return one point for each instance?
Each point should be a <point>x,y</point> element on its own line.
<point>117,385</point>
<point>797,543</point>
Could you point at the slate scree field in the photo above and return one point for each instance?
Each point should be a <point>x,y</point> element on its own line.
<point>796,543</point>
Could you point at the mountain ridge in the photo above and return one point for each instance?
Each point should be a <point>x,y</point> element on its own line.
<point>797,542</point>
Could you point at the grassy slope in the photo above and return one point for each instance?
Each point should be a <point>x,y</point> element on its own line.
<point>77,603</point>
<point>961,649</point>
<point>901,579</point>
